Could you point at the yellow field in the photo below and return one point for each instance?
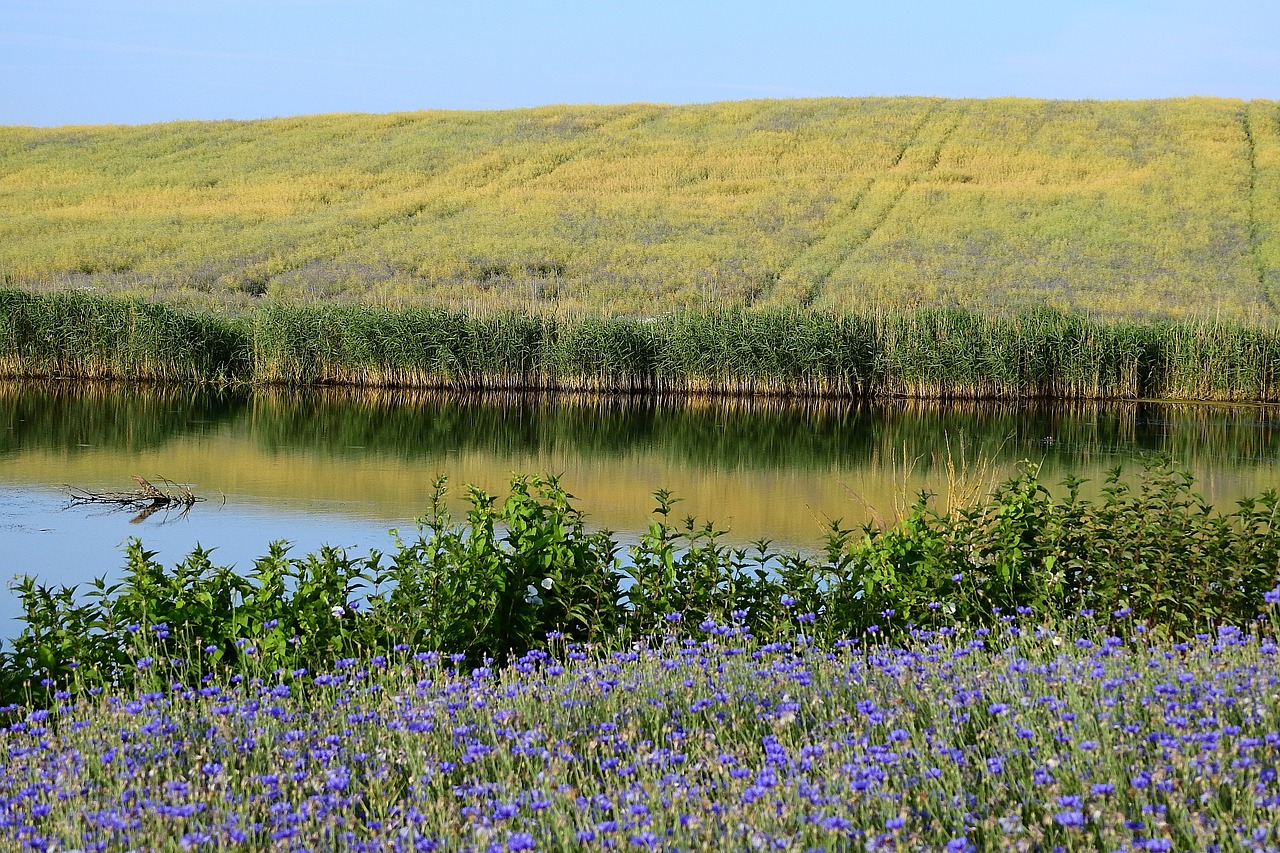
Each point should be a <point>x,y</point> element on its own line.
<point>1116,208</point>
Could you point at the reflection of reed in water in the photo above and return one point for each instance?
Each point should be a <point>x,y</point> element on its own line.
<point>770,467</point>
<point>713,431</point>
<point>46,413</point>
<point>732,432</point>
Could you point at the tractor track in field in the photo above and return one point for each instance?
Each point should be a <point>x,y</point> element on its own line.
<point>1251,206</point>
<point>872,207</point>
<point>450,199</point>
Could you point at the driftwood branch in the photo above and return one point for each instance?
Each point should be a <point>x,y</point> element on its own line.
<point>146,499</point>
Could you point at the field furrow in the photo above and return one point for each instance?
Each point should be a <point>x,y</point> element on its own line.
<point>1165,209</point>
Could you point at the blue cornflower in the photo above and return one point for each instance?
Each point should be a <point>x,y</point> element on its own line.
<point>521,841</point>
<point>1272,596</point>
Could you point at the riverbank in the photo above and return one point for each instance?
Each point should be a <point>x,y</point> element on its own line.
<point>928,353</point>
<point>510,573</point>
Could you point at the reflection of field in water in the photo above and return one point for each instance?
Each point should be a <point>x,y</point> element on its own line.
<point>765,470</point>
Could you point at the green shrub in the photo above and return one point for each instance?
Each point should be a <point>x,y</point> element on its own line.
<point>527,573</point>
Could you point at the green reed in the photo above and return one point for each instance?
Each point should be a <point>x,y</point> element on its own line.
<point>927,353</point>
<point>87,336</point>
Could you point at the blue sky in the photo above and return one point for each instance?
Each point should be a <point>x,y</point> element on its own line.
<point>136,61</point>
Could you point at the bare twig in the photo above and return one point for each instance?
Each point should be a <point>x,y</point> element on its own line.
<point>147,499</point>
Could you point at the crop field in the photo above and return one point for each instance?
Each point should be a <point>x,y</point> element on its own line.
<point>1119,209</point>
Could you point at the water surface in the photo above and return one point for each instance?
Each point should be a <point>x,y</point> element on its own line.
<point>341,467</point>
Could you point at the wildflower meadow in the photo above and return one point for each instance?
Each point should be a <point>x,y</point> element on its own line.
<point>949,683</point>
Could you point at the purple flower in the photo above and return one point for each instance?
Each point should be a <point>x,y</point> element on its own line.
<point>521,841</point>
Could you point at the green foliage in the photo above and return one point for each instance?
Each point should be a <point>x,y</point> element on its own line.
<point>684,571</point>
<point>525,573</point>
<point>929,352</point>
<point>1157,552</point>
<point>87,336</point>
<point>504,580</point>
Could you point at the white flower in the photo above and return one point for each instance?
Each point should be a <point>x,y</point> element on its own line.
<point>546,583</point>
<point>337,611</point>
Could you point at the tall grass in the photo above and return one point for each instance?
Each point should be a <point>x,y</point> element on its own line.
<point>926,353</point>
<point>87,336</point>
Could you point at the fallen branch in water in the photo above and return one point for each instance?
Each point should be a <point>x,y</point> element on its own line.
<point>147,498</point>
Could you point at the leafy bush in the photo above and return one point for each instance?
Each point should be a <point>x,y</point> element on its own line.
<point>504,580</point>
<point>527,573</point>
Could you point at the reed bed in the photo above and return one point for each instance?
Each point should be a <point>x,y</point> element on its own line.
<point>927,353</point>
<point>88,336</point>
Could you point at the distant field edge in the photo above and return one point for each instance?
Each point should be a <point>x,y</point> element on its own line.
<point>928,353</point>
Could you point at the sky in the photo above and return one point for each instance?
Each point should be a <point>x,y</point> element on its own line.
<point>142,61</point>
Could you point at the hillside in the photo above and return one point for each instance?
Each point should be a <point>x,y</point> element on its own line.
<point>1115,208</point>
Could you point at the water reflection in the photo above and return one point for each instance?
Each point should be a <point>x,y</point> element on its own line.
<point>295,465</point>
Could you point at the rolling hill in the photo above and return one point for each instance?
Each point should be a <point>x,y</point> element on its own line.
<point>1120,209</point>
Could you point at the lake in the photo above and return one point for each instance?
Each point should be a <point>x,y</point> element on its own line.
<point>341,467</point>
